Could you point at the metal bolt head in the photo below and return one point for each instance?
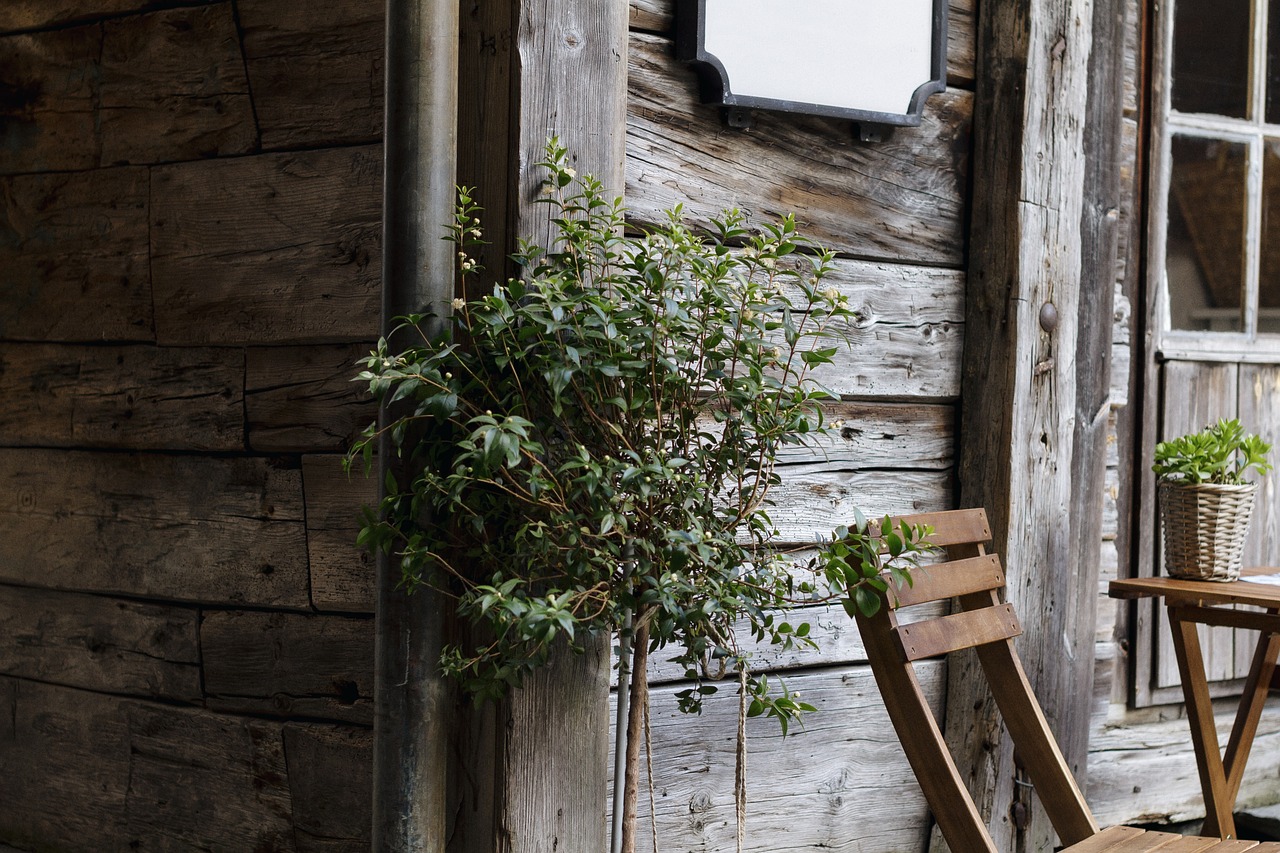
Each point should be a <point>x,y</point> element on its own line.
<point>1048,317</point>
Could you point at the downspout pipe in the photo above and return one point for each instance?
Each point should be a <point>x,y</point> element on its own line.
<point>413,710</point>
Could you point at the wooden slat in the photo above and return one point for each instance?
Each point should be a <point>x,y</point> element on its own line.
<point>1122,838</point>
<point>313,666</point>
<point>98,643</point>
<point>953,527</point>
<point>853,197</point>
<point>73,248</point>
<point>940,581</point>
<point>964,630</point>
<point>330,780</point>
<point>128,397</point>
<point>280,248</point>
<point>304,398</point>
<point>316,70</point>
<point>812,500</point>
<point>881,435</point>
<point>171,527</point>
<point>342,575</point>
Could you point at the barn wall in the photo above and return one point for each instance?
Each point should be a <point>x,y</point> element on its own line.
<point>190,209</point>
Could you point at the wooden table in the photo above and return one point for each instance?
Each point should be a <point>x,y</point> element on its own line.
<point>1192,603</point>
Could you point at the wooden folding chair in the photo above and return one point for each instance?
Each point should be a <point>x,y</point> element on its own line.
<point>983,623</point>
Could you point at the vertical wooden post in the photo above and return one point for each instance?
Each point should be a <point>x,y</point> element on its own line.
<point>533,69</point>
<point>1036,372</point>
<point>413,711</point>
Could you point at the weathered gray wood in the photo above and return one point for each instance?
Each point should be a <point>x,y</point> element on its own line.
<point>330,782</point>
<point>289,665</point>
<point>65,755</point>
<point>132,397</point>
<point>73,248</point>
<point>171,527</point>
<point>174,87</point>
<point>34,14</point>
<point>901,199</point>
<point>304,398</point>
<point>881,435</point>
<point>280,248</point>
<point>812,500</point>
<point>98,643</point>
<point>841,782</point>
<point>656,16</point>
<point>342,574</point>
<point>1019,382</point>
<point>315,69</point>
<point>200,780</point>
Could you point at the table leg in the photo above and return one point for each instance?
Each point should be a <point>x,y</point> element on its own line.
<point>1252,699</point>
<point>1218,803</point>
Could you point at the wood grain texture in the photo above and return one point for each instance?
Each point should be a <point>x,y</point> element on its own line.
<point>170,527</point>
<point>288,665</point>
<point>130,397</point>
<point>99,643</point>
<point>900,200</point>
<point>48,112</point>
<point>812,500</point>
<point>304,398</point>
<point>657,16</point>
<point>315,69</point>
<point>279,248</point>
<point>35,14</point>
<point>342,575</point>
<point>331,785</point>
<point>840,783</point>
<point>73,248</point>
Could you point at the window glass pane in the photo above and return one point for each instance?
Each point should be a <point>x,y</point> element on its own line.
<point>1204,258</point>
<point>1211,57</point>
<point>1269,276</point>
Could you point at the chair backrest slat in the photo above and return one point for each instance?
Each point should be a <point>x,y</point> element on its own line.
<point>986,624</point>
<point>931,638</point>
<point>949,580</point>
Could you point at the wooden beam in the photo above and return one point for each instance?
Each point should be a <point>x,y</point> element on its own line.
<point>1035,391</point>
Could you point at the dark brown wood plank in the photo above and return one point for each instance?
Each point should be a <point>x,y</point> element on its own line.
<point>205,781</point>
<point>174,87</point>
<point>966,629</point>
<point>280,248</point>
<point>35,14</point>
<point>73,248</point>
<point>65,755</point>
<point>941,581</point>
<point>311,666</point>
<point>901,200</point>
<point>304,398</point>
<point>99,643</point>
<point>131,397</point>
<point>316,70</point>
<point>342,575</point>
<point>48,112</point>
<point>172,527</point>
<point>330,779</point>
<point>657,16</point>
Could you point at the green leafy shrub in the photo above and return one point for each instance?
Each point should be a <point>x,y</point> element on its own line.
<point>1220,453</point>
<point>599,437</point>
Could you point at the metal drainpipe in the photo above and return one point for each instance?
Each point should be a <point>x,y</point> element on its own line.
<point>412,708</point>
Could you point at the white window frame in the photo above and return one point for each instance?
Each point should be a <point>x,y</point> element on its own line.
<point>1243,346</point>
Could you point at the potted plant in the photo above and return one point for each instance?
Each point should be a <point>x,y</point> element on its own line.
<point>595,442</point>
<point>1205,500</point>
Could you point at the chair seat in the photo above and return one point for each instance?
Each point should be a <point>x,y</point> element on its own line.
<point>1127,839</point>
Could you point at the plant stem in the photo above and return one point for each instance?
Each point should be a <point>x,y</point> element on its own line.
<point>635,731</point>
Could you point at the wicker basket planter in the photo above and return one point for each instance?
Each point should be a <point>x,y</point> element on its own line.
<point>1204,529</point>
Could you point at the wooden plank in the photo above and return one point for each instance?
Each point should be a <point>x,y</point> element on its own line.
<point>955,631</point>
<point>313,666</point>
<point>329,817</point>
<point>657,16</point>
<point>342,575</point>
<point>48,117</point>
<point>901,200</point>
<point>174,87</point>
<point>942,581</point>
<point>73,248</point>
<point>304,398</point>
<point>280,248</point>
<point>851,782</point>
<point>98,643</point>
<point>881,435</point>
<point>36,14</point>
<point>172,527</point>
<point>130,397</point>
<point>315,69</point>
<point>65,755</point>
<point>812,500</point>
<point>200,780</point>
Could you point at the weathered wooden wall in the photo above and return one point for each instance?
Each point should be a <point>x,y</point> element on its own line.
<point>190,215</point>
